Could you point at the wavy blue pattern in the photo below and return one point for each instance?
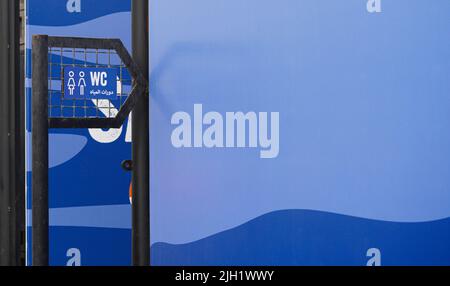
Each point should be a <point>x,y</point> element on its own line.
<point>55,12</point>
<point>106,27</point>
<point>107,216</point>
<point>62,148</point>
<point>302,237</point>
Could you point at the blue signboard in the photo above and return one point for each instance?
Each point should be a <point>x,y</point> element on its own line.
<point>300,132</point>
<point>90,83</point>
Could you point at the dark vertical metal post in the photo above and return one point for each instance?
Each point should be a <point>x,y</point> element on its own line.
<point>39,187</point>
<point>5,184</point>
<point>11,152</point>
<point>140,138</point>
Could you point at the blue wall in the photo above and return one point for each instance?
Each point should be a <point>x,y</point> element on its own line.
<point>90,214</point>
<point>344,159</point>
<point>361,172</point>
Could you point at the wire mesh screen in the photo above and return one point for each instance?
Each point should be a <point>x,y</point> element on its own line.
<point>63,105</point>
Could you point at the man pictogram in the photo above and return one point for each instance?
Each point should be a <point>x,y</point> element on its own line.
<point>81,82</point>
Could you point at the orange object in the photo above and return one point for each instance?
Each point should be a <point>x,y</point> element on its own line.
<point>130,193</point>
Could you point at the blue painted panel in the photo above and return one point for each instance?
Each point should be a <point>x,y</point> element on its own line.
<point>300,132</point>
<point>90,214</point>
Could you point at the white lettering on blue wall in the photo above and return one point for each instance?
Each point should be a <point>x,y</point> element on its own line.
<point>74,255</point>
<point>237,130</point>
<point>113,134</point>
<point>374,6</point>
<point>375,257</point>
<point>73,6</point>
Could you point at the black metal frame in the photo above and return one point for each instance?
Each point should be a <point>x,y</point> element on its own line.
<point>41,122</point>
<point>139,86</point>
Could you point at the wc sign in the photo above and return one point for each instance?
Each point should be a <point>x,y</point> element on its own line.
<point>90,83</point>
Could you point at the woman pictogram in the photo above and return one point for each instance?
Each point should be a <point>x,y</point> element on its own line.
<point>71,82</point>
